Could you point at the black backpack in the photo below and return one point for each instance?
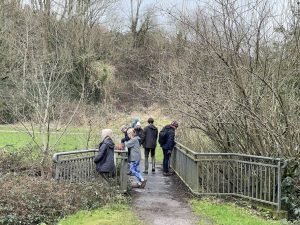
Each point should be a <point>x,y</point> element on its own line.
<point>162,137</point>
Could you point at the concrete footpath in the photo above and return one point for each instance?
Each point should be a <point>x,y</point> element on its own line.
<point>164,201</point>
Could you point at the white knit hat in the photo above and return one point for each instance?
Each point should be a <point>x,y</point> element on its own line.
<point>106,133</point>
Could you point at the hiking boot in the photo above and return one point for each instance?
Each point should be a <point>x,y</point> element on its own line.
<point>168,174</point>
<point>143,183</point>
<point>153,170</point>
<point>145,172</point>
<point>135,185</point>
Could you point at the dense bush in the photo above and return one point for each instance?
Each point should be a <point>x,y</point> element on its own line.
<point>5,116</point>
<point>25,161</point>
<point>291,190</point>
<point>33,200</point>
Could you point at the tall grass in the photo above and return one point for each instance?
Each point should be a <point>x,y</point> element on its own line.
<point>196,140</point>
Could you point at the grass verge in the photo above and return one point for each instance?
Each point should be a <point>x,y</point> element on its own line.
<point>118,214</point>
<point>220,213</point>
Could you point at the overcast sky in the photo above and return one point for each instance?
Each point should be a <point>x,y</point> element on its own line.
<point>119,17</point>
<point>188,6</point>
<point>159,5</point>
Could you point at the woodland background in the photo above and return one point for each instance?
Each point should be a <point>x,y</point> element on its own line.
<point>229,69</point>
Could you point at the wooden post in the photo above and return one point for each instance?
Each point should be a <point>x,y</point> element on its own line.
<point>123,174</point>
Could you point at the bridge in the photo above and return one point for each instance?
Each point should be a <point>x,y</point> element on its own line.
<point>256,178</point>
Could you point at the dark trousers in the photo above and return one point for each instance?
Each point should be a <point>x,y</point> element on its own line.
<point>166,161</point>
<point>147,151</point>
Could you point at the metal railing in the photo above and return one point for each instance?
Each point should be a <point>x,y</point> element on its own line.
<point>79,166</point>
<point>253,177</point>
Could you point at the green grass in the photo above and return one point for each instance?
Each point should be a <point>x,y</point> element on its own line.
<point>14,138</point>
<point>114,215</point>
<point>14,142</point>
<point>227,214</point>
<point>159,154</point>
<point>11,142</point>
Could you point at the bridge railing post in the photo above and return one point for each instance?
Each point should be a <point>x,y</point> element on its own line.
<point>279,187</point>
<point>122,163</point>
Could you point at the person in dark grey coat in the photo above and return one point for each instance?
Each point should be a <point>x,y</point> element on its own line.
<point>104,160</point>
<point>149,140</point>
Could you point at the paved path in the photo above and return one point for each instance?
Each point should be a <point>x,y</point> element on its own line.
<point>163,201</point>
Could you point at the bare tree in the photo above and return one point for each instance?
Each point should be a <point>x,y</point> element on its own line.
<point>48,54</point>
<point>230,81</point>
<point>141,23</point>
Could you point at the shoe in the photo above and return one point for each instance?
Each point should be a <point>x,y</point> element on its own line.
<point>153,170</point>
<point>145,172</point>
<point>135,185</point>
<point>168,174</point>
<point>143,183</point>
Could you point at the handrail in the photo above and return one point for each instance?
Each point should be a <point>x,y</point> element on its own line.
<point>211,173</point>
<point>227,154</point>
<point>56,155</point>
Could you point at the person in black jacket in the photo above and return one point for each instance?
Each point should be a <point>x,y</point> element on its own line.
<point>149,140</point>
<point>139,131</point>
<point>104,160</point>
<point>168,146</point>
<point>124,129</point>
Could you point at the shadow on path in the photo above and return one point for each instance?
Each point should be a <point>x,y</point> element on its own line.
<point>164,200</point>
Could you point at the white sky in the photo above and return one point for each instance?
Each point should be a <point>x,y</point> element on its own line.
<point>189,5</point>
<point>119,17</point>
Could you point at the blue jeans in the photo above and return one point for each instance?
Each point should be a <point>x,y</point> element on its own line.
<point>135,170</point>
<point>166,161</point>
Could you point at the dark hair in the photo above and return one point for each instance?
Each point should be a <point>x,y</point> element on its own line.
<point>174,123</point>
<point>150,120</point>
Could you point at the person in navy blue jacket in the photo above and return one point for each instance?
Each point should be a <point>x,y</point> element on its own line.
<point>168,146</point>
